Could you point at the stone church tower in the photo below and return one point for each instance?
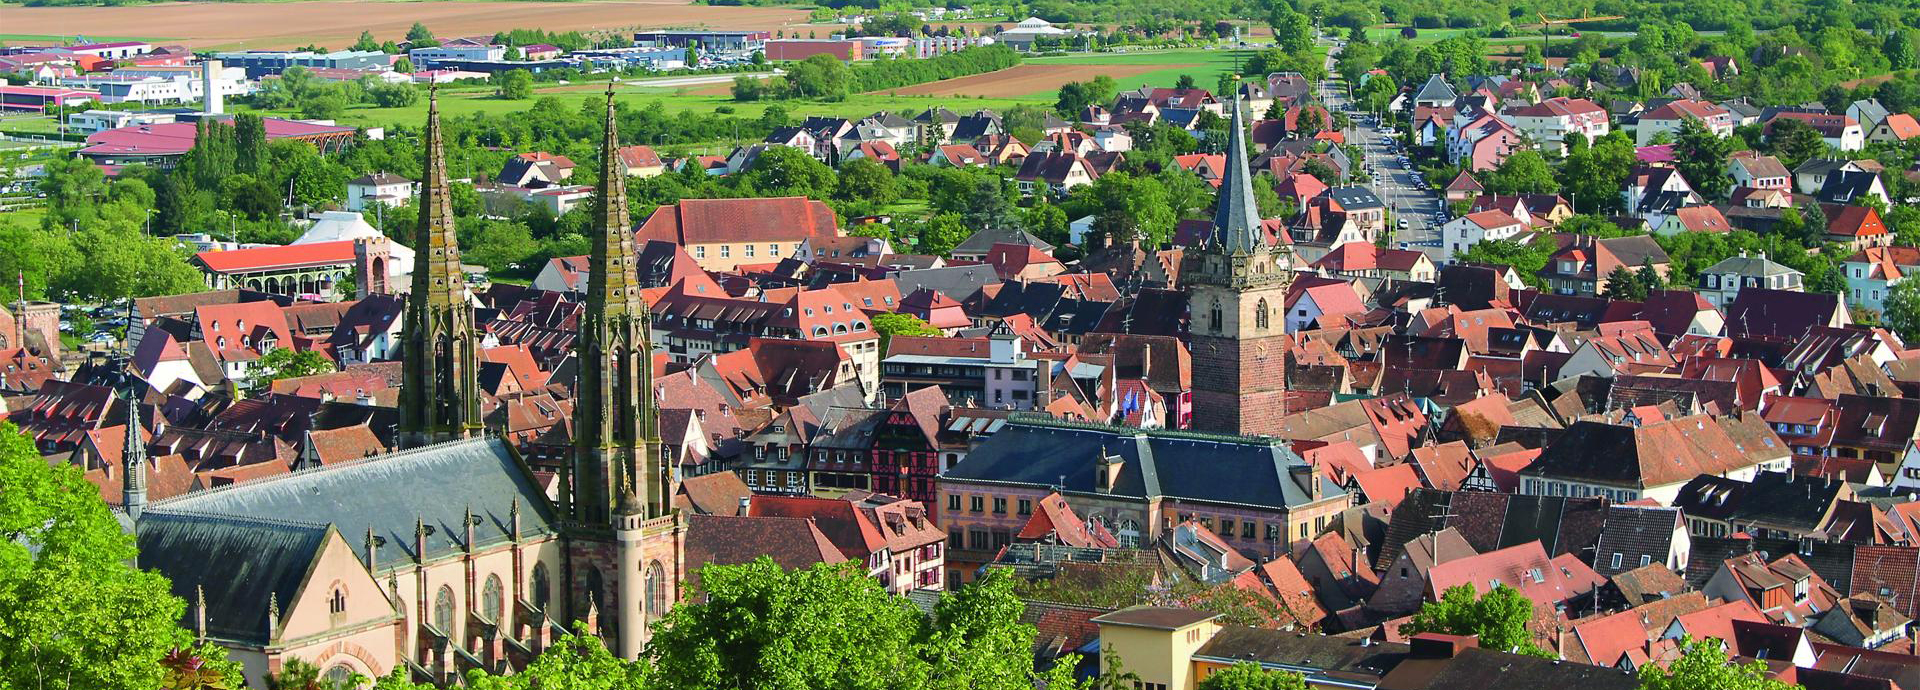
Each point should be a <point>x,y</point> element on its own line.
<point>439,394</point>
<point>1237,291</point>
<point>618,496</point>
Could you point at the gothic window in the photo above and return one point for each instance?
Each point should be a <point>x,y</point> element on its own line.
<point>594,587</point>
<point>540,585</point>
<point>340,676</point>
<point>1260,315</point>
<point>443,610</point>
<point>491,603</point>
<point>1213,317</point>
<point>337,603</point>
<point>656,591</point>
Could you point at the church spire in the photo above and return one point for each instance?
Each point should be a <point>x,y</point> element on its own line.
<point>133,461</point>
<point>1236,216</point>
<point>616,437</point>
<point>439,394</point>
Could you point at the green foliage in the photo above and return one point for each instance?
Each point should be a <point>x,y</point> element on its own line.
<point>1902,309</point>
<point>1594,174</point>
<point>1075,95</point>
<point>1794,142</point>
<point>1623,284</point>
<point>1526,259</point>
<point>74,612</point>
<point>1247,675</point>
<point>515,84</point>
<point>298,674</point>
<point>1703,665</point>
<point>419,34</point>
<point>1524,172</point>
<point>286,363</point>
<point>576,661</point>
<point>1498,618</point>
<point>867,182</point>
<point>819,627</point>
<point>1125,208</point>
<point>1702,158</point>
<point>788,171</point>
<point>889,325</point>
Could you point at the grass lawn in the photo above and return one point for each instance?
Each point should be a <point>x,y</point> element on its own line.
<point>1381,33</point>
<point>26,217</point>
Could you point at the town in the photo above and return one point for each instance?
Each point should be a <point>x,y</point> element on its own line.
<point>965,347</point>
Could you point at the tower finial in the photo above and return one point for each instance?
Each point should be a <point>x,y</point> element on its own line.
<point>273,614</point>
<point>200,613</point>
<point>133,462</point>
<point>1236,216</point>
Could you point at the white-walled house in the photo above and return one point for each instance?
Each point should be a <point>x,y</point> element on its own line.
<point>1549,122</point>
<point>383,188</point>
<point>1462,233</point>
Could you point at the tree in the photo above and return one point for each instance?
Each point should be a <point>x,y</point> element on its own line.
<point>941,233</point>
<point>200,668</point>
<point>1902,308</point>
<point>403,65</point>
<point>1795,142</point>
<point>74,611</point>
<point>1623,285</point>
<point>399,95</point>
<point>286,363</point>
<point>1292,31</point>
<point>788,171</point>
<point>1703,158</point>
<point>826,626</point>
<point>1247,675</point>
<point>819,76</point>
<point>577,661</point>
<point>1524,172</point>
<point>977,641</point>
<point>692,57</point>
<point>1047,222</point>
<point>516,85</point>
<point>1185,82</point>
<point>1499,618</point>
<point>889,325</point>
<point>419,34</point>
<point>366,42</point>
<point>1594,174</point>
<point>1703,665</point>
<point>865,180</point>
<point>299,674</point>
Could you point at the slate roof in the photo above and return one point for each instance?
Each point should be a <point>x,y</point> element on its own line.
<point>437,484</point>
<point>1784,314</point>
<point>1336,656</point>
<point>241,564</point>
<point>1634,531</point>
<point>1039,452</point>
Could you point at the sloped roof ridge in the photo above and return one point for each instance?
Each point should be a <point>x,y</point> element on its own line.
<point>1033,419</point>
<point>485,437</point>
<point>237,519</point>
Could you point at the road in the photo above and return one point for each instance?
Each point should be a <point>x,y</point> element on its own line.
<point>1394,179</point>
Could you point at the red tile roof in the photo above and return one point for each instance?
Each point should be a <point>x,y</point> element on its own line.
<point>707,221</point>
<point>277,258</point>
<point>176,138</point>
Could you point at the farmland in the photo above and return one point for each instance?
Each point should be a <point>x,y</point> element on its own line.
<point>336,23</point>
<point>1023,80</point>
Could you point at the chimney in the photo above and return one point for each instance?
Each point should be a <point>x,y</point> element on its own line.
<point>210,98</point>
<point>746,505</point>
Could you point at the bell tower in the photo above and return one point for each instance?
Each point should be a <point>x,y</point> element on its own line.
<point>439,394</point>
<point>1237,292</point>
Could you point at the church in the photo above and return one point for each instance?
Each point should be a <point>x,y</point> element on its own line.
<point>445,555</point>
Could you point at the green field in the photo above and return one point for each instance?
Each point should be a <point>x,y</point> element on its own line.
<point>1212,63</point>
<point>454,105</point>
<point>700,99</point>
